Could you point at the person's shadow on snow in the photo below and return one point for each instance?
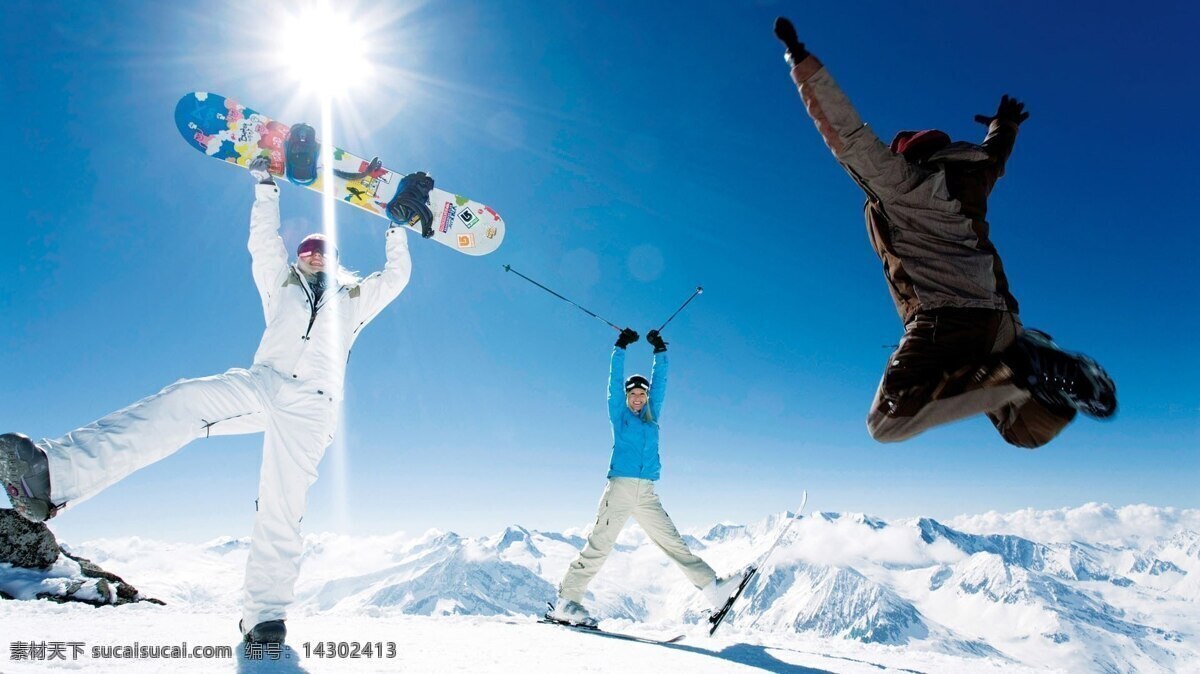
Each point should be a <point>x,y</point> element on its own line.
<point>273,658</point>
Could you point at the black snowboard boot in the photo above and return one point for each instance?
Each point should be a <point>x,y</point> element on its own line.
<point>301,152</point>
<point>25,475</point>
<point>1056,377</point>
<point>410,202</point>
<point>266,632</point>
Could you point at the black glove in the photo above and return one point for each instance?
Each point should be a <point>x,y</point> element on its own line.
<point>1010,110</point>
<point>786,32</point>
<point>626,338</point>
<point>260,170</point>
<point>656,341</point>
<point>410,201</point>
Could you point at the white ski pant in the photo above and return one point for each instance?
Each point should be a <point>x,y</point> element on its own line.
<point>626,496</point>
<point>298,423</point>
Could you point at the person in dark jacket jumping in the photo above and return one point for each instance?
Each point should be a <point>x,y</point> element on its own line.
<point>964,351</point>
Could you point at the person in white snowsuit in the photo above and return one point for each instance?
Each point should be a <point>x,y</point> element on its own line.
<point>634,408</point>
<point>290,394</point>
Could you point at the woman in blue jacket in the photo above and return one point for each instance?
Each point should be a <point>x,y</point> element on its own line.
<point>634,408</point>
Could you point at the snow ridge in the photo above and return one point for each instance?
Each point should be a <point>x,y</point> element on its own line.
<point>1120,602</point>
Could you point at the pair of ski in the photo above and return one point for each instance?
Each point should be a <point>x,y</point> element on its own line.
<point>715,619</point>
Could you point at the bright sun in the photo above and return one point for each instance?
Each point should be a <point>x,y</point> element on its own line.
<point>325,51</point>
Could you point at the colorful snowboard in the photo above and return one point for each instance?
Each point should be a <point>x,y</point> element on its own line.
<point>222,128</point>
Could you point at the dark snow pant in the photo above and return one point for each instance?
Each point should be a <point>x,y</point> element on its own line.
<point>951,365</point>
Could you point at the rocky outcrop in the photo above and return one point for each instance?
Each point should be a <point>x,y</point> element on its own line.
<point>26,544</point>
<point>41,569</point>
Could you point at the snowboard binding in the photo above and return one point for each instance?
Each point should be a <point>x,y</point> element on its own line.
<point>409,204</point>
<point>301,151</point>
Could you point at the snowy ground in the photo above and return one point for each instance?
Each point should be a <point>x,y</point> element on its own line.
<point>433,644</point>
<point>1087,589</point>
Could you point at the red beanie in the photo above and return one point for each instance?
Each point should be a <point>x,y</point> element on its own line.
<point>918,145</point>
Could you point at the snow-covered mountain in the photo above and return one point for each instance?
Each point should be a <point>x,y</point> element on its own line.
<point>1119,602</point>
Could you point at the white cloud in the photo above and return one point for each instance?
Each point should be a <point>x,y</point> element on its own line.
<point>1096,522</point>
<point>850,542</point>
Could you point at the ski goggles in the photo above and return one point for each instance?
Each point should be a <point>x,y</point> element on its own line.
<point>310,246</point>
<point>637,381</point>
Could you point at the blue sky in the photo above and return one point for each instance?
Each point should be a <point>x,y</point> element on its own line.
<point>636,150</point>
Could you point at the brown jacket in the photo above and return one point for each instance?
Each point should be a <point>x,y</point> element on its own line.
<point>927,222</point>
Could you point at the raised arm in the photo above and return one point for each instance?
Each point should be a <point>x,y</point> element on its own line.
<point>616,383</point>
<point>1002,134</point>
<point>616,374</point>
<point>880,172</point>
<point>268,255</point>
<point>658,384</point>
<point>658,373</point>
<point>379,289</point>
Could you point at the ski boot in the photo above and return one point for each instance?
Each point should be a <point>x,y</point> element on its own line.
<point>719,592</point>
<point>25,476</point>
<point>301,151</point>
<point>410,202</point>
<point>1057,378</point>
<point>571,613</point>
<point>266,632</point>
<point>733,585</point>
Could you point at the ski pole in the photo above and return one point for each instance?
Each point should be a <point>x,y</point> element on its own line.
<point>699,290</point>
<point>589,313</point>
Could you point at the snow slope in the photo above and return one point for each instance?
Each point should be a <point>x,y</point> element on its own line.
<point>844,593</point>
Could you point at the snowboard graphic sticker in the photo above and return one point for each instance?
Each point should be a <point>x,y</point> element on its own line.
<point>227,130</point>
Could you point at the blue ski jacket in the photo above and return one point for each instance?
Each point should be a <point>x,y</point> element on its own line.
<point>635,437</point>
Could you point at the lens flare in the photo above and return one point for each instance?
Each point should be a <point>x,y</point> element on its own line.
<point>325,51</point>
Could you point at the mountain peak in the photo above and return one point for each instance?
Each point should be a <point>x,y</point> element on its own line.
<point>725,532</point>
<point>514,535</point>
